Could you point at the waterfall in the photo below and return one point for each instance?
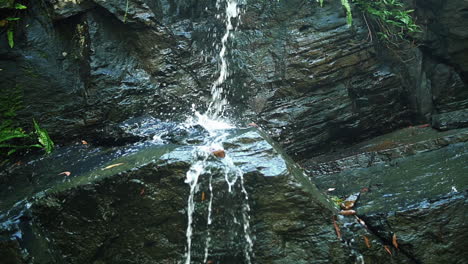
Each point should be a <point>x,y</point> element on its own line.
<point>214,122</point>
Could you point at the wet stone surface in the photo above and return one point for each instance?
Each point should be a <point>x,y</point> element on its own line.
<point>420,198</point>
<point>130,206</point>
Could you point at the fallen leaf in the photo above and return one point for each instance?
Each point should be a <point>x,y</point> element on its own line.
<point>360,221</point>
<point>337,228</point>
<point>209,262</point>
<point>67,173</point>
<point>349,202</point>
<point>84,142</point>
<point>331,189</point>
<point>387,248</point>
<point>347,212</point>
<point>394,241</point>
<point>112,166</point>
<point>367,241</point>
<point>252,124</point>
<point>203,196</point>
<point>364,190</point>
<point>19,163</point>
<point>423,126</point>
<point>219,153</point>
<point>142,191</point>
<point>347,205</point>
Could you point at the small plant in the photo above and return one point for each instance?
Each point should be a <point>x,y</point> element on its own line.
<point>10,18</point>
<point>12,137</point>
<point>390,18</point>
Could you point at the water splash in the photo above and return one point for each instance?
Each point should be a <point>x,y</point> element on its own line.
<point>213,121</point>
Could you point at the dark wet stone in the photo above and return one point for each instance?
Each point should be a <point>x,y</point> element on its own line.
<point>138,208</point>
<point>419,196</point>
<point>450,120</point>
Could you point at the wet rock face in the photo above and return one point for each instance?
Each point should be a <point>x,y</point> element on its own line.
<point>412,191</point>
<point>322,84</point>
<point>84,67</point>
<point>88,67</point>
<point>136,212</point>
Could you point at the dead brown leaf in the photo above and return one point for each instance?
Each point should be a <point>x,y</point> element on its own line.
<point>219,153</point>
<point>84,142</point>
<point>66,173</point>
<point>347,212</point>
<point>337,228</point>
<point>347,205</point>
<point>367,241</point>
<point>394,241</point>
<point>360,221</point>
<point>203,196</point>
<point>113,166</point>
<point>252,124</point>
<point>142,191</point>
<point>387,248</point>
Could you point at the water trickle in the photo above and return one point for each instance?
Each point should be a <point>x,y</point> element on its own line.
<point>215,123</point>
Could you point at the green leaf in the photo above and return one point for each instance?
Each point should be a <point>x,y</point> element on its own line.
<point>11,41</point>
<point>9,134</point>
<point>43,138</point>
<point>12,18</point>
<point>11,152</point>
<point>349,16</point>
<point>20,6</point>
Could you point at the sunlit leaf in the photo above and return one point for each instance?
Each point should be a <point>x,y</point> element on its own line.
<point>394,241</point>
<point>20,6</point>
<point>66,173</point>
<point>43,138</point>
<point>347,212</point>
<point>113,166</point>
<point>11,41</point>
<point>203,196</point>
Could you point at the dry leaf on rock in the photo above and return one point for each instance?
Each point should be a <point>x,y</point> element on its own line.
<point>387,248</point>
<point>367,241</point>
<point>394,241</point>
<point>347,212</point>
<point>219,153</point>
<point>113,166</point>
<point>337,228</point>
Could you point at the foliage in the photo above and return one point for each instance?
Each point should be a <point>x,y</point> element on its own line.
<point>10,18</point>
<point>393,22</point>
<point>12,137</point>
<point>43,137</point>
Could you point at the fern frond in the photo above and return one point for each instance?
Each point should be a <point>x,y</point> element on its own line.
<point>349,16</point>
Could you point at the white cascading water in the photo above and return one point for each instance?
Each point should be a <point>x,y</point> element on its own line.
<point>212,120</point>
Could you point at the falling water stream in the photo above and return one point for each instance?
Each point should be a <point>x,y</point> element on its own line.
<point>215,123</point>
